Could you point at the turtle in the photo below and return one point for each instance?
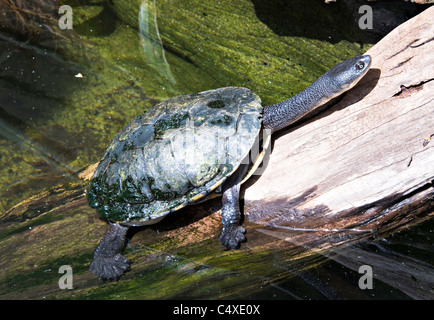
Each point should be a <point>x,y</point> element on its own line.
<point>190,148</point>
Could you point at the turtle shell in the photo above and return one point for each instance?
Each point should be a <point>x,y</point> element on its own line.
<point>175,154</point>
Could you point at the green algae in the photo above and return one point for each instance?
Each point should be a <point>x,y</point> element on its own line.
<point>173,122</point>
<point>42,275</point>
<point>237,49</point>
<point>163,266</point>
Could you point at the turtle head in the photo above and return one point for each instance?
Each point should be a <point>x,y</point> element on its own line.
<point>342,77</point>
<point>346,74</point>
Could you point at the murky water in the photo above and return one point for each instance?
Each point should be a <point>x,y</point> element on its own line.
<point>65,93</point>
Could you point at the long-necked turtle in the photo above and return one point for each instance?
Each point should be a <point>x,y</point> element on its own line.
<point>182,150</point>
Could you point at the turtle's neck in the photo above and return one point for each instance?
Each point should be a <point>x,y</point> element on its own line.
<point>281,115</point>
<point>331,84</point>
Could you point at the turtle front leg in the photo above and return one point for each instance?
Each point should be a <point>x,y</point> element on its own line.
<point>108,262</point>
<point>232,234</point>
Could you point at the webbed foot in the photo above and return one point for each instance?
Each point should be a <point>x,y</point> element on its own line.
<point>108,262</point>
<point>232,235</point>
<point>110,268</point>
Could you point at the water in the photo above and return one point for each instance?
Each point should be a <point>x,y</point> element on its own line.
<point>64,94</point>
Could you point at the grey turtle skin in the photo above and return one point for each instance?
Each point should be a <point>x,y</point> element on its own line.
<point>190,148</point>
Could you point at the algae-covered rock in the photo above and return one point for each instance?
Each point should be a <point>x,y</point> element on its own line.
<point>182,258</point>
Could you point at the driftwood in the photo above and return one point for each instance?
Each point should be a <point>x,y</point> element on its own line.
<point>366,164</point>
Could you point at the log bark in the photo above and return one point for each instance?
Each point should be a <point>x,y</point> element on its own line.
<point>367,162</point>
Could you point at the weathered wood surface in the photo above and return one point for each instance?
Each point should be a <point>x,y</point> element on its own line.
<point>365,162</point>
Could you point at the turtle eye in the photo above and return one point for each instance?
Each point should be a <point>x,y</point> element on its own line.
<point>360,65</point>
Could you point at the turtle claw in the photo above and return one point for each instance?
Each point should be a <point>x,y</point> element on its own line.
<point>232,235</point>
<point>110,268</point>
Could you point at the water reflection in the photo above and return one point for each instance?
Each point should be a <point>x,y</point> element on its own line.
<point>150,39</point>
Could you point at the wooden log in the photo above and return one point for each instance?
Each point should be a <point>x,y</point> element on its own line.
<point>365,162</point>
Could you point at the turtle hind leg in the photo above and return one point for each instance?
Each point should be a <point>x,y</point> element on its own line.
<point>108,262</point>
<point>233,233</point>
